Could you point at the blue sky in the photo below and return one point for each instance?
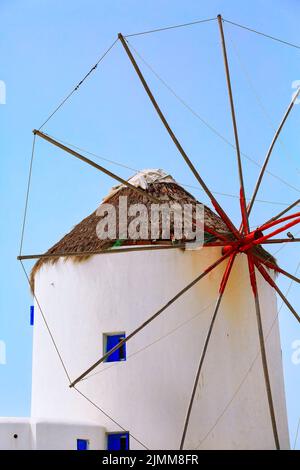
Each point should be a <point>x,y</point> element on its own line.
<point>47,46</point>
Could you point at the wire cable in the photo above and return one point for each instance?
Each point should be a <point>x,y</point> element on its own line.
<point>109,417</point>
<point>263,34</point>
<point>260,33</point>
<point>27,195</point>
<point>258,98</point>
<point>182,25</point>
<point>78,84</point>
<point>47,326</point>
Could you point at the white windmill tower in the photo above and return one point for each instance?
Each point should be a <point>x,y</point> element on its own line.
<point>92,302</point>
<point>160,346</point>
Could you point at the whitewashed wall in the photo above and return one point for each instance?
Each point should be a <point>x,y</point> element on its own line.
<point>27,434</point>
<point>15,434</point>
<point>149,393</point>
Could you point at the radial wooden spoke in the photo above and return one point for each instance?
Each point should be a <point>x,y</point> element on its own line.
<point>95,165</point>
<point>291,206</point>
<point>110,251</point>
<point>262,349</point>
<point>235,130</point>
<point>264,167</point>
<point>215,203</point>
<point>125,249</point>
<point>272,223</point>
<point>215,233</point>
<point>272,283</point>
<point>150,319</point>
<point>262,239</point>
<point>281,240</point>
<point>221,292</point>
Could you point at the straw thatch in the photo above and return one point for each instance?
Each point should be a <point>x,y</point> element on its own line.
<point>83,237</point>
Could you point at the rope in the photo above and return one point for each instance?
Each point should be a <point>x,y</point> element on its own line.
<point>78,84</point>
<point>109,417</point>
<point>27,195</point>
<point>263,34</point>
<point>209,126</point>
<point>169,27</point>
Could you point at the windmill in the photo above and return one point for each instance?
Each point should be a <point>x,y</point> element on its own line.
<point>242,240</point>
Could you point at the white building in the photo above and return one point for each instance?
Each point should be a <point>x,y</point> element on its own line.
<point>147,389</point>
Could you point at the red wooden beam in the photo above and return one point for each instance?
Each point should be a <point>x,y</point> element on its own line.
<point>272,223</point>
<point>266,237</point>
<point>272,283</point>
<point>262,348</point>
<point>277,268</point>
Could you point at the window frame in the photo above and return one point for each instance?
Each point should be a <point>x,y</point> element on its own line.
<point>121,352</point>
<point>122,434</point>
<point>86,441</point>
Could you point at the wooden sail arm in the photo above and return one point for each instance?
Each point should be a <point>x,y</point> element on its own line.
<point>213,200</point>
<point>253,281</point>
<point>206,343</point>
<point>95,165</point>
<point>260,240</point>
<point>291,206</point>
<point>245,222</point>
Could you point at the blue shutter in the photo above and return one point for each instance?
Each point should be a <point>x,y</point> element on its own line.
<point>119,354</point>
<point>118,441</point>
<point>82,444</point>
<point>31,315</point>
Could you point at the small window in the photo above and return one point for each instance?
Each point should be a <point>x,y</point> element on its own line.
<point>82,444</point>
<point>31,315</point>
<point>118,441</point>
<point>110,341</point>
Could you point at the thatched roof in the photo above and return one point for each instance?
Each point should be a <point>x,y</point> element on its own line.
<point>83,237</point>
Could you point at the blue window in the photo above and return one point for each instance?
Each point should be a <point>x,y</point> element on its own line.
<point>118,441</point>
<point>82,444</point>
<point>110,341</point>
<point>31,315</point>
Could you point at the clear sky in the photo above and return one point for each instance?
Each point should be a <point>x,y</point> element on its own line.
<point>46,48</point>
